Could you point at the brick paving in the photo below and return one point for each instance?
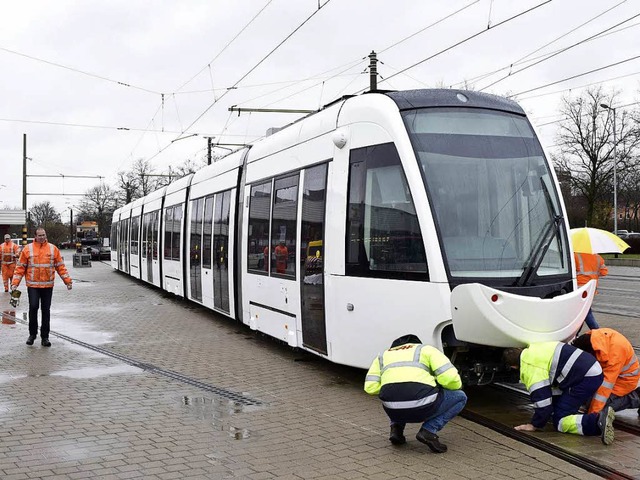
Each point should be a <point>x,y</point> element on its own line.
<point>70,412</point>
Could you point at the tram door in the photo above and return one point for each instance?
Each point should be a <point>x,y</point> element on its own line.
<point>220,251</point>
<point>195,249</point>
<point>314,331</point>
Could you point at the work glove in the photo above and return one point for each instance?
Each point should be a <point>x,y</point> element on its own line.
<point>69,287</point>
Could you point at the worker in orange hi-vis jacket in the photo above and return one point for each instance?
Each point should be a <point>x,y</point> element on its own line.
<point>589,266</point>
<point>39,261</point>
<point>620,366</point>
<point>10,252</point>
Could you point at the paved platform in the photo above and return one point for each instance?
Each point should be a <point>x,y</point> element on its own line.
<point>140,385</point>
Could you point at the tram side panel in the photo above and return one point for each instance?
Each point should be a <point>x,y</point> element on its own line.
<point>134,247</point>
<point>151,237</point>
<point>210,224</point>
<point>115,222</point>
<point>377,281</point>
<point>173,231</point>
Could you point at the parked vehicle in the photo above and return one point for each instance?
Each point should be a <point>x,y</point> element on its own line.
<point>98,252</point>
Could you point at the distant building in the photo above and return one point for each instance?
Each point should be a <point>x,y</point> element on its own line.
<point>11,222</point>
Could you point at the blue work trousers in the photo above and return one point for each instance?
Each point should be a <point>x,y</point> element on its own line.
<point>570,401</point>
<point>39,298</point>
<point>590,320</point>
<point>453,401</point>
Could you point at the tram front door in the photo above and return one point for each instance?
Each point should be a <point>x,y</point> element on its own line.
<point>314,331</point>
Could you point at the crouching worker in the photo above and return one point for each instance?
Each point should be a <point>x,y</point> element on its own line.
<point>417,384</point>
<point>577,374</point>
<point>619,366</point>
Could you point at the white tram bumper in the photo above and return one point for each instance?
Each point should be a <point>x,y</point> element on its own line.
<point>487,316</point>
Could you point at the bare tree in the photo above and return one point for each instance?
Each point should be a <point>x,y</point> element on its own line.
<point>147,181</point>
<point>98,205</point>
<point>188,167</point>
<point>586,150</point>
<point>44,215</point>
<point>127,187</point>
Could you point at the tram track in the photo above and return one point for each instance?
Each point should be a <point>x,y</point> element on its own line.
<point>485,403</point>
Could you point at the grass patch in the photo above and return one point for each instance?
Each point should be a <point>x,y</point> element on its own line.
<point>620,255</point>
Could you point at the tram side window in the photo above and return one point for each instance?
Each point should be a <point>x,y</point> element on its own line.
<point>283,227</point>
<point>383,233</point>
<point>114,236</point>
<point>168,228</point>
<point>259,212</point>
<point>154,234</point>
<point>135,231</point>
<point>175,238</point>
<point>172,224</point>
<point>207,232</point>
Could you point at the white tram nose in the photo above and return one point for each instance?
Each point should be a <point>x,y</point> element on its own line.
<point>487,316</point>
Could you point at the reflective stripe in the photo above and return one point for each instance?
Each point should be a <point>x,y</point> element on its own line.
<point>608,384</point>
<point>443,368</point>
<point>542,403</point>
<point>567,366</point>
<point>31,283</point>
<point>540,384</point>
<point>630,374</point>
<point>630,364</point>
<point>404,364</point>
<point>571,424</point>
<point>595,370</point>
<point>554,362</point>
<point>416,354</point>
<point>372,378</point>
<point>600,398</point>
<point>412,403</point>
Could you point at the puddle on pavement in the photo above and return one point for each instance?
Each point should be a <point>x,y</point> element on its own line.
<point>79,330</point>
<point>94,372</point>
<point>218,411</point>
<point>4,378</point>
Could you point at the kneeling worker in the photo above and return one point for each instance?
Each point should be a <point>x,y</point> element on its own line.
<point>577,374</point>
<point>417,384</point>
<point>619,365</point>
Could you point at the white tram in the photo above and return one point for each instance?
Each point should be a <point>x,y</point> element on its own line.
<point>431,212</point>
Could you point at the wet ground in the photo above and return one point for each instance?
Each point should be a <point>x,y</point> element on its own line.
<point>140,385</point>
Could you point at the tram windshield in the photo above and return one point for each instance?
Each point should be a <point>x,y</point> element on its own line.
<point>493,198</point>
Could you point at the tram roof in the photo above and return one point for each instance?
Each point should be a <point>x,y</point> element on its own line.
<point>441,97</point>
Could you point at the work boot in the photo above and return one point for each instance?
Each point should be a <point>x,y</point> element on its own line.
<point>431,441</point>
<point>31,339</point>
<point>397,434</point>
<point>46,342</point>
<point>605,423</point>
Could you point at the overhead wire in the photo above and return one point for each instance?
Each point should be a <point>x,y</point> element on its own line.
<point>205,67</point>
<point>525,60</point>
<point>615,64</point>
<point>208,65</point>
<point>76,70</point>
<point>579,86</point>
<point>252,69</point>
<point>461,42</point>
<point>558,53</point>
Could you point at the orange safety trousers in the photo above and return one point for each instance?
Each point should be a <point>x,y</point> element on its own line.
<point>619,365</point>
<point>9,254</point>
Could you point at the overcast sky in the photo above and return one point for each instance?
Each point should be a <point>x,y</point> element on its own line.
<point>96,85</point>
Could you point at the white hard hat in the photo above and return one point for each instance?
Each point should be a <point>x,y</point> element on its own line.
<point>6,235</point>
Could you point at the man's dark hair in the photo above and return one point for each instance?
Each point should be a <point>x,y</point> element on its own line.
<point>583,342</point>
<point>511,357</point>
<point>409,338</point>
